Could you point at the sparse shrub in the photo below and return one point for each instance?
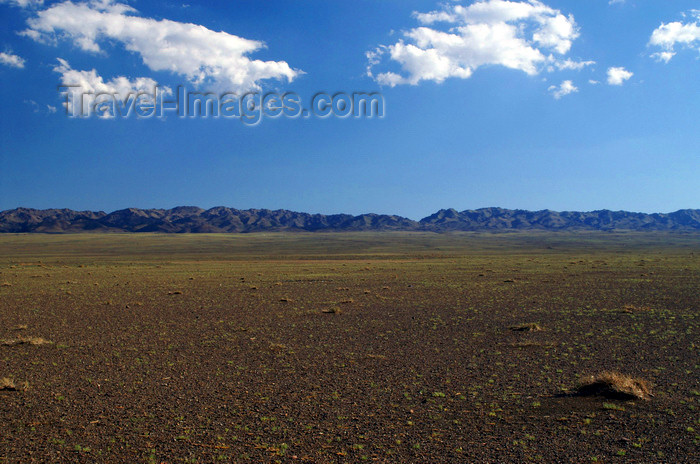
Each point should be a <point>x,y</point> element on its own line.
<point>7,384</point>
<point>613,406</point>
<point>615,386</point>
<point>24,340</point>
<point>529,327</point>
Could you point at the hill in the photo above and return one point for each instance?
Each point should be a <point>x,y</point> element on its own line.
<point>190,219</point>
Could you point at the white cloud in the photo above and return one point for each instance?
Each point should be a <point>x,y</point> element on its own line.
<point>616,2</point>
<point>11,60</point>
<point>37,108</point>
<point>24,3</point>
<point>668,36</point>
<point>521,35</point>
<point>389,78</point>
<point>190,50</point>
<point>618,76</point>
<point>87,86</point>
<point>565,88</point>
<point>593,82</point>
<point>663,56</point>
<point>568,64</point>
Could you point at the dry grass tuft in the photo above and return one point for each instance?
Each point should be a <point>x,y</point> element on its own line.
<point>24,341</point>
<point>332,310</point>
<point>5,284</point>
<point>7,384</point>
<point>616,386</point>
<point>529,327</point>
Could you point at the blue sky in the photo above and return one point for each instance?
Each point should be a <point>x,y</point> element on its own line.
<point>565,105</point>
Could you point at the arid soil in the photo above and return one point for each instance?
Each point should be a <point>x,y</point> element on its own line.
<point>347,348</point>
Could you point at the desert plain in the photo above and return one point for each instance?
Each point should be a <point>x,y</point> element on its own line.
<point>348,347</point>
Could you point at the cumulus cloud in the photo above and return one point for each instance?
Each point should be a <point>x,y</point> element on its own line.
<point>669,36</point>
<point>14,61</point>
<point>190,50</point>
<point>618,76</point>
<point>456,40</point>
<point>85,88</point>
<point>565,88</point>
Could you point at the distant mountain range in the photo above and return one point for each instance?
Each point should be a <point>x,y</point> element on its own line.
<point>190,219</point>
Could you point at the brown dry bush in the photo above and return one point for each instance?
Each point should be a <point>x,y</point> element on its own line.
<point>615,386</point>
<point>24,341</point>
<point>7,384</point>
<point>529,327</point>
